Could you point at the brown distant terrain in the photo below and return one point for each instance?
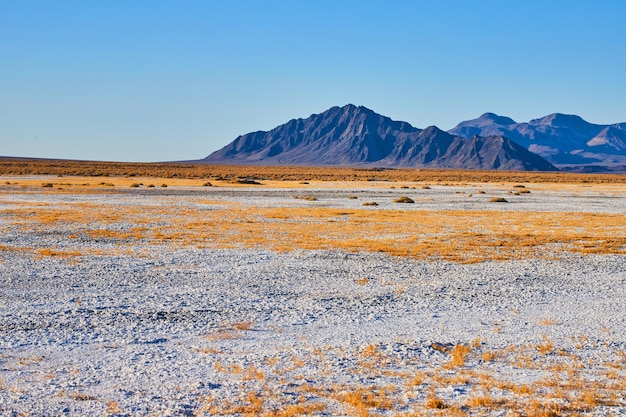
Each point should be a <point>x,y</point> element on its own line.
<point>18,166</point>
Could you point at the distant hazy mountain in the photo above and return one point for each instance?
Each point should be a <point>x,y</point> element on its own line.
<point>357,136</point>
<point>567,141</point>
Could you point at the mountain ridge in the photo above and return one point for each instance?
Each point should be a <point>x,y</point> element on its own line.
<point>567,141</point>
<point>357,136</point>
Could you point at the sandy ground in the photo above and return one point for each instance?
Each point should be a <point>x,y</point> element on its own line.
<point>122,327</point>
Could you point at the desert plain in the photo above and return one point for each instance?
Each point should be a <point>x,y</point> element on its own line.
<point>177,290</point>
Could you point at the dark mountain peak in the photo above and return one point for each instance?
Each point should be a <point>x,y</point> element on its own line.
<point>495,119</point>
<point>433,131</point>
<point>362,113</point>
<point>347,110</point>
<point>561,120</point>
<point>357,136</point>
<point>354,108</point>
<point>488,124</point>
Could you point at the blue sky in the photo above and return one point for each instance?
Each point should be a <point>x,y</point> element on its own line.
<point>173,80</point>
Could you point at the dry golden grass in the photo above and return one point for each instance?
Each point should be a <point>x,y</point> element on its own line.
<point>113,408</point>
<point>243,325</point>
<point>564,386</point>
<point>454,235</point>
<point>59,253</point>
<point>547,322</point>
<point>547,347</point>
<point>435,402</point>
<point>459,355</point>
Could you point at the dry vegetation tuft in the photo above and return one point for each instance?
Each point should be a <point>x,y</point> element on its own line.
<point>404,199</point>
<point>455,235</point>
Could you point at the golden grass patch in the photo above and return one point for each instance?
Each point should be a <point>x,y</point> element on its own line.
<point>397,384</point>
<point>59,253</point>
<point>454,235</point>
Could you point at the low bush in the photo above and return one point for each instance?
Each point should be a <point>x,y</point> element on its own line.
<point>248,181</point>
<point>305,197</point>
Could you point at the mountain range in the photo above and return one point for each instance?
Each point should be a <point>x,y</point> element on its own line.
<point>357,136</point>
<point>567,141</point>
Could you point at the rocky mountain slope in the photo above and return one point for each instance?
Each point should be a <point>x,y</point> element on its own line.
<point>567,141</point>
<point>357,136</point>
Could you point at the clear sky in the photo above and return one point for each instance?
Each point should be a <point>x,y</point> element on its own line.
<point>134,80</point>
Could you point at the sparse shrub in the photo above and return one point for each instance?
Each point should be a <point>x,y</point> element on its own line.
<point>370,350</point>
<point>363,398</point>
<point>164,185</point>
<point>370,203</point>
<point>476,343</point>
<point>489,356</point>
<point>135,185</point>
<point>248,181</point>
<point>498,200</point>
<point>252,373</point>
<point>79,396</point>
<point>150,185</point>
<point>480,192</point>
<point>435,402</point>
<point>243,325</point>
<point>547,347</point>
<point>47,185</point>
<point>352,197</point>
<point>207,184</point>
<point>417,379</point>
<point>403,199</point>
<point>459,355</point>
<point>519,186</point>
<point>444,348</point>
<point>305,197</point>
<point>113,408</point>
<point>425,187</point>
<point>482,401</point>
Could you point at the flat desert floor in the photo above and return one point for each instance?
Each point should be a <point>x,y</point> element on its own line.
<point>149,296</point>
